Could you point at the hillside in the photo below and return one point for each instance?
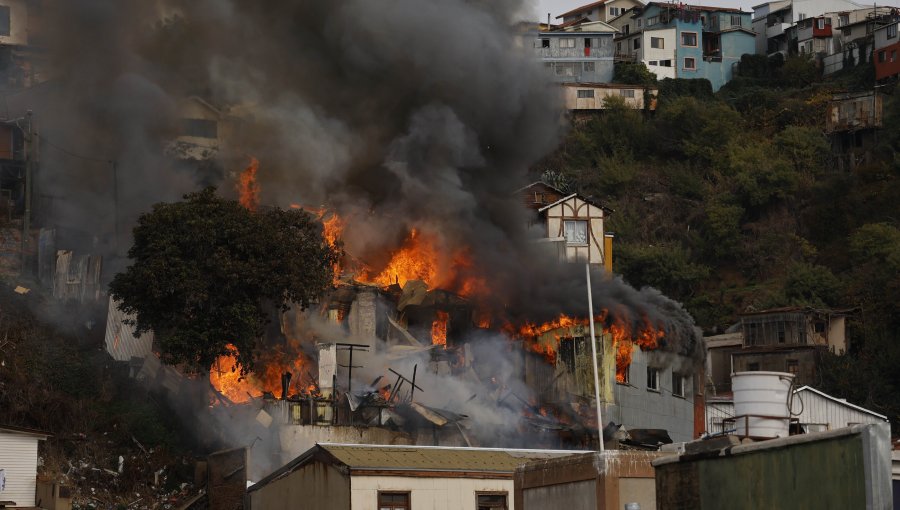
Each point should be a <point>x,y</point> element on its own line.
<point>735,201</point>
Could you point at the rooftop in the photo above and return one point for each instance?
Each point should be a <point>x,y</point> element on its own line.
<point>581,9</point>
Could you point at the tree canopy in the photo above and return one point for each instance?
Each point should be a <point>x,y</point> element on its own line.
<point>206,273</point>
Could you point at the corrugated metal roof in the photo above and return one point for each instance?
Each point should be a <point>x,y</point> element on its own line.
<point>416,458</point>
<point>121,342</point>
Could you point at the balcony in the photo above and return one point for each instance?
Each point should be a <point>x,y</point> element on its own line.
<point>776,29</point>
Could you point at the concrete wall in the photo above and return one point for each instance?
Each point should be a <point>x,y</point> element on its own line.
<point>315,486</point>
<point>847,468</point>
<point>652,57</point>
<point>426,493</point>
<point>638,407</point>
<point>567,64</point>
<point>18,460</point>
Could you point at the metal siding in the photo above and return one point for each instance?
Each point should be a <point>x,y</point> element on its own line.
<point>818,409</point>
<point>121,343</point>
<point>426,493</point>
<point>18,459</point>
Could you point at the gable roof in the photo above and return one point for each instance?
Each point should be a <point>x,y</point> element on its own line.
<point>708,8</point>
<point>840,401</point>
<point>535,183</point>
<point>582,8</point>
<point>436,459</point>
<point>579,197</point>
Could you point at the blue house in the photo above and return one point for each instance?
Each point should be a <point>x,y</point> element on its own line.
<point>689,41</point>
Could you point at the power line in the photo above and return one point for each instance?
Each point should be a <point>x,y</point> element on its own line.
<point>72,154</point>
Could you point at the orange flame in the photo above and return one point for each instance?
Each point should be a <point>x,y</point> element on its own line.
<point>439,328</point>
<point>225,375</point>
<point>417,259</point>
<point>248,187</point>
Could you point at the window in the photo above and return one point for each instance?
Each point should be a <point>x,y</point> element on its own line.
<point>657,42</point>
<point>652,21</point>
<point>567,42</point>
<point>626,376</point>
<point>677,385</point>
<point>801,16</point>
<point>652,379</point>
<point>587,42</point>
<point>588,68</point>
<point>637,44</point>
<point>4,20</point>
<point>891,31</point>
<point>690,63</point>
<point>639,22</point>
<point>626,92</point>
<point>793,366</point>
<point>653,62</point>
<point>753,367</point>
<point>565,69</point>
<point>735,21</point>
<point>626,29</point>
<point>881,56</point>
<point>545,43</point>
<point>538,198</point>
<point>893,55</point>
<point>843,19</point>
<point>820,23</point>
<point>576,231</point>
<point>393,501</point>
<point>491,501</point>
<point>200,128</point>
<point>619,47</point>
<point>846,32</point>
<point>615,11</point>
<point>665,63</point>
<point>689,39</point>
<point>585,94</point>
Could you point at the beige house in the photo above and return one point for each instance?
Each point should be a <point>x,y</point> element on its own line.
<point>572,225</point>
<point>366,477</point>
<point>205,130</point>
<point>604,10</point>
<point>586,97</point>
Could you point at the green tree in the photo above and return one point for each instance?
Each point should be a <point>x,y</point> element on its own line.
<point>813,285</point>
<point>806,147</point>
<point>668,267</point>
<point>633,74</point>
<point>206,271</point>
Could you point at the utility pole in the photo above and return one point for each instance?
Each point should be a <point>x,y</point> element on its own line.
<point>30,153</point>
<point>587,270</point>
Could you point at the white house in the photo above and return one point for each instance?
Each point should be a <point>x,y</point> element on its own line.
<point>369,477</point>
<point>18,465</point>
<point>815,411</point>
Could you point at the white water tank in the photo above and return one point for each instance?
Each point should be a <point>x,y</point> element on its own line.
<point>761,394</point>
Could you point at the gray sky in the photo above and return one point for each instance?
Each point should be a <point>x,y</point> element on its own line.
<point>557,7</point>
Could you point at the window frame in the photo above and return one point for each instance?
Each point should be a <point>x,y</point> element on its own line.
<point>696,40</point>
<point>567,42</point>
<point>391,506</point>
<point>882,56</point>
<point>661,41</point>
<point>792,363</point>
<point>891,31</point>
<point>6,28</point>
<point>587,231</point>
<point>505,495</point>
<point>740,20</point>
<point>693,66</point>
<point>654,372</point>
<point>637,43</point>
<point>820,24</point>
<point>680,378</point>
<point>585,94</point>
<point>626,93</point>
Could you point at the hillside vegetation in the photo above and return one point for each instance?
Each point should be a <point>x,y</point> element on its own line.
<point>733,201</point>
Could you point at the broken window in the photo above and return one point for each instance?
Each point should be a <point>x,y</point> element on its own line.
<point>585,94</point>
<point>657,42</point>
<point>393,501</point>
<point>4,20</point>
<point>491,501</point>
<point>576,231</point>
<point>677,385</point>
<point>793,366</point>
<point>626,375</point>
<point>652,378</point>
<point>689,39</point>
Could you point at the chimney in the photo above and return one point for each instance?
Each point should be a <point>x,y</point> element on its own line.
<point>327,368</point>
<point>285,384</point>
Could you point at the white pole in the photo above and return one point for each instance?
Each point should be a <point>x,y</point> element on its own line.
<point>587,270</point>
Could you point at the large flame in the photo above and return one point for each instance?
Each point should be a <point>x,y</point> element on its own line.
<point>439,328</point>
<point>248,188</point>
<point>225,375</point>
<point>624,338</point>
<point>417,259</point>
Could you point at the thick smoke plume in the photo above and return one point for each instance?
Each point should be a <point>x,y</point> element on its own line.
<point>398,114</point>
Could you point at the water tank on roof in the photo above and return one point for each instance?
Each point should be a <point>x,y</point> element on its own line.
<point>762,403</point>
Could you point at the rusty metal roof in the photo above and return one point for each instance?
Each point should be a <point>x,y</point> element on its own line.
<point>418,458</point>
<point>415,459</point>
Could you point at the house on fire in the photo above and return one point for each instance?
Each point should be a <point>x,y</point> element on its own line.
<point>570,224</point>
<point>355,477</point>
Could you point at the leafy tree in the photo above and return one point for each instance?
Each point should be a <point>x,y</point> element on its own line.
<point>633,74</point>
<point>696,129</point>
<point>875,279</point>
<point>667,267</point>
<point>809,284</point>
<point>760,174</point>
<point>806,147</point>
<point>206,270</point>
<point>723,228</point>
